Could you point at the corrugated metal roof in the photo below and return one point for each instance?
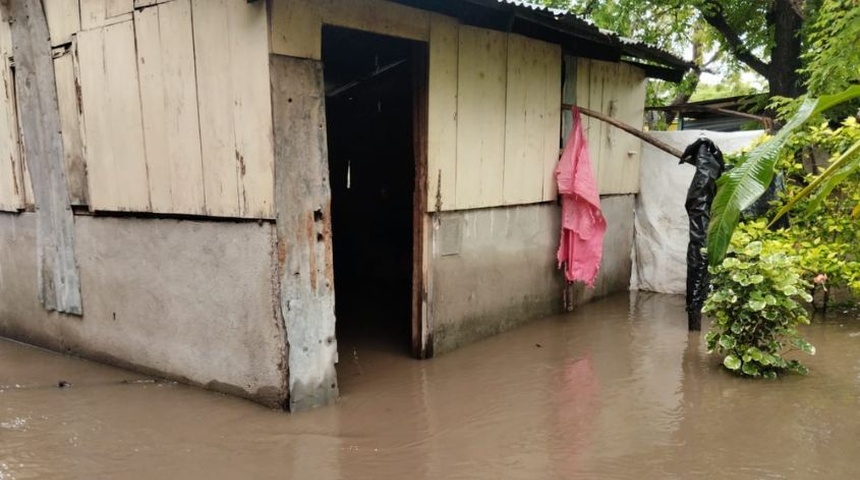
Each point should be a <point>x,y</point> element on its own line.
<point>533,6</point>
<point>578,36</point>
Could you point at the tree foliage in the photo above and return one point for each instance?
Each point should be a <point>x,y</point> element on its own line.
<point>762,36</point>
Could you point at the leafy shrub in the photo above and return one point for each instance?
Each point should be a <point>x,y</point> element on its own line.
<point>755,310</point>
<point>824,232</point>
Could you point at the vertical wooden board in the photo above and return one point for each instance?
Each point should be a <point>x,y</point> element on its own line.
<point>252,119</point>
<point>383,17</point>
<point>305,268</point>
<point>442,113</point>
<point>583,92</point>
<point>114,8</point>
<point>97,146</point>
<point>92,13</point>
<point>520,71</point>
<point>180,88</point>
<point>296,28</point>
<point>125,127</point>
<point>215,104</point>
<point>11,178</point>
<point>100,13</point>
<point>481,91</point>
<point>597,77</point>
<point>112,119</point>
<point>169,93</point>
<point>73,143</point>
<point>524,121</point>
<point>632,112</point>
<point>11,188</point>
<point>36,94</point>
<point>64,20</point>
<point>609,176</point>
<point>552,120</point>
<point>154,108</point>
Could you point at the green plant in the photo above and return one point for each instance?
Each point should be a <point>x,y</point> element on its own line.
<point>740,187</point>
<point>755,310</point>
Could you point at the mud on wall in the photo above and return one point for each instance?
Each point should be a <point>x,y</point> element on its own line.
<point>189,300</point>
<point>493,269</point>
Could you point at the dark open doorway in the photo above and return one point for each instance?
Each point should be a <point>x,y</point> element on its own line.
<point>371,83</point>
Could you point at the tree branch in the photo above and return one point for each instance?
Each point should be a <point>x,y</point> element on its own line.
<point>712,12</point>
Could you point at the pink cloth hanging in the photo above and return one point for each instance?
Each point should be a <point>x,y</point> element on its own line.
<point>582,223</point>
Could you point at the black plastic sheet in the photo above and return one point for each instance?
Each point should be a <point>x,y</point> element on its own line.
<point>708,160</point>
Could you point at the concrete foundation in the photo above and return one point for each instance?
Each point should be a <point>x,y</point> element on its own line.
<point>188,300</point>
<point>493,269</point>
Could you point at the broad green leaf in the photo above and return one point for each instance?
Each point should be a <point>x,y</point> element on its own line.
<point>755,354</point>
<point>727,342</point>
<point>756,305</point>
<point>732,362</point>
<point>750,369</point>
<point>839,170</point>
<point>743,185</point>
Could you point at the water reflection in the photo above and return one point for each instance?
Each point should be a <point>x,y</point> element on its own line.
<point>617,389</point>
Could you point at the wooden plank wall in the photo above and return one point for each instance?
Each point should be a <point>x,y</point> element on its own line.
<point>494,99</point>
<point>618,90</point>
<point>164,105</point>
<point>11,168</point>
<point>500,143</point>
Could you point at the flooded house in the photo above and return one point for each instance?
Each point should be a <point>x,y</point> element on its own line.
<point>217,191</point>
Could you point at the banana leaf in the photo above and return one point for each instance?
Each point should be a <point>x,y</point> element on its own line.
<point>743,185</point>
<point>839,170</point>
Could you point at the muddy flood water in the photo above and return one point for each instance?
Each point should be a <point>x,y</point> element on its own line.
<point>616,389</point>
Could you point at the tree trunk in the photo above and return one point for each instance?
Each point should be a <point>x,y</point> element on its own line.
<point>785,57</point>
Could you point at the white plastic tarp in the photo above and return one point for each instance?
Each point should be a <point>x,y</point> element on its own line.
<point>661,228</point>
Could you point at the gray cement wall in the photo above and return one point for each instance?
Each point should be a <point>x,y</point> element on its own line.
<point>493,269</point>
<point>188,300</point>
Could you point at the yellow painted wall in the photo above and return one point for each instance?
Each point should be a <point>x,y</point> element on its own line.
<point>617,90</point>
<point>494,98</point>
<point>174,113</point>
<point>165,107</point>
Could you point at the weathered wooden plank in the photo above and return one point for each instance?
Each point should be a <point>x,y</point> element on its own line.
<point>442,113</point>
<point>481,90</point>
<point>631,110</point>
<point>552,120</point>
<point>114,8</point>
<point>70,125</point>
<point>420,220</point>
<point>148,3</point>
<point>59,283</point>
<point>610,173</point>
<point>64,20</point>
<point>296,29</point>
<point>92,13</point>
<point>304,230</point>
<point>531,85</point>
<point>101,13</point>
<point>252,115</point>
<point>215,103</point>
<point>11,179</point>
<point>168,89</point>
<point>597,78</point>
<point>116,164</point>
<point>377,16</point>
<point>568,94</point>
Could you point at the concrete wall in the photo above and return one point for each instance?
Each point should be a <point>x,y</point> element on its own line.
<point>187,300</point>
<point>493,269</point>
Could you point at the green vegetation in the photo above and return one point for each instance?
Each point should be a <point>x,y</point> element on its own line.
<point>755,309</point>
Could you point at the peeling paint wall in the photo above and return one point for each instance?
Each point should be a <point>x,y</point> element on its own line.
<point>188,300</point>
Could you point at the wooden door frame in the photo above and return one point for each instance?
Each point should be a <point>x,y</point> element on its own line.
<point>422,339</point>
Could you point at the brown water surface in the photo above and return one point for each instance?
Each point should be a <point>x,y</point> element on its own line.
<point>616,389</point>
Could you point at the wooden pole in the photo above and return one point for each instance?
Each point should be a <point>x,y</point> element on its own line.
<point>631,130</point>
